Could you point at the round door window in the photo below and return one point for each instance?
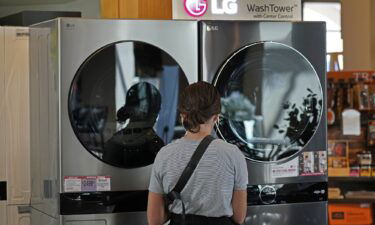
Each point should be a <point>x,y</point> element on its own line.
<point>272,101</point>
<point>123,103</point>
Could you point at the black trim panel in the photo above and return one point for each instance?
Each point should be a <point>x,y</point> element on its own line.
<point>287,193</point>
<point>103,202</point>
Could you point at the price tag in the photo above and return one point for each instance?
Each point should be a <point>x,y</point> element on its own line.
<point>87,183</point>
<point>289,169</point>
<point>72,184</point>
<point>103,183</point>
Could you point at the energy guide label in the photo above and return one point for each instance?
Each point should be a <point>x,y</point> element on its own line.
<point>87,183</point>
<point>289,169</point>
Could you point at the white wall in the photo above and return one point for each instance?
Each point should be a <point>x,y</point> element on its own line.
<point>89,8</point>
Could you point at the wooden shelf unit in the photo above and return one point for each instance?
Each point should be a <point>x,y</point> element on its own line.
<point>351,179</point>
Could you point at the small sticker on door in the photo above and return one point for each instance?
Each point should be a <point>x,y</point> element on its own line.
<point>103,184</point>
<point>289,169</point>
<point>87,183</point>
<point>313,163</point>
<point>72,184</point>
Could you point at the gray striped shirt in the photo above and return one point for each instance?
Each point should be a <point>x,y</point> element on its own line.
<point>209,191</point>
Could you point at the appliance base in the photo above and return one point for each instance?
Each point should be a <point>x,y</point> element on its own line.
<point>288,214</point>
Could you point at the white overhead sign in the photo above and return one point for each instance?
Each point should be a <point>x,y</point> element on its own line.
<point>279,10</point>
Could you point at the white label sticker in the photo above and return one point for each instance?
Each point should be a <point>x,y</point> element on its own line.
<point>289,169</point>
<point>87,183</point>
<point>103,183</point>
<point>72,184</point>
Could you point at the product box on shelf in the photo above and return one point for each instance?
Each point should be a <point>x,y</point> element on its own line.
<point>338,161</point>
<point>355,171</point>
<point>365,171</point>
<point>350,214</point>
<point>335,193</point>
<point>371,133</point>
<point>365,160</point>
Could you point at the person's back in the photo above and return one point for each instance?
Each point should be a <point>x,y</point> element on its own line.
<point>216,190</point>
<point>210,188</point>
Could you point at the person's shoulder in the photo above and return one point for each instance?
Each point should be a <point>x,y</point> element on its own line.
<point>169,148</point>
<point>228,149</point>
<point>221,144</point>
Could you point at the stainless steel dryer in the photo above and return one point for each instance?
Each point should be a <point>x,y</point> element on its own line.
<point>104,97</point>
<point>272,79</point>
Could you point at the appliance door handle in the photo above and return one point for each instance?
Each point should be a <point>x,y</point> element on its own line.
<point>24,209</point>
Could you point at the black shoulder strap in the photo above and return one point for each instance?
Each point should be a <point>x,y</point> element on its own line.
<point>189,169</point>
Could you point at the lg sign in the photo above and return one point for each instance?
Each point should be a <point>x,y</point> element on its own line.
<point>228,7</point>
<point>197,8</point>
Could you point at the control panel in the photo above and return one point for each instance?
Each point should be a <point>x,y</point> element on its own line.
<point>287,193</point>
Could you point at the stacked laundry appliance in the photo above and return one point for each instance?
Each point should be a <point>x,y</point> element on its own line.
<point>104,96</point>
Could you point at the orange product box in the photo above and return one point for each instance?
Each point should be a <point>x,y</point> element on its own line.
<point>350,214</point>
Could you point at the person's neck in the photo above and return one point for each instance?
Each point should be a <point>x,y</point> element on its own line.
<point>203,132</point>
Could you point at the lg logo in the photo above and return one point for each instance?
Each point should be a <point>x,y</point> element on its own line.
<point>212,28</point>
<point>227,7</point>
<point>197,8</point>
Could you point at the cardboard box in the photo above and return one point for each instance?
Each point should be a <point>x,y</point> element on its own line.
<point>350,214</point>
<point>334,193</point>
<point>338,159</point>
<point>365,171</point>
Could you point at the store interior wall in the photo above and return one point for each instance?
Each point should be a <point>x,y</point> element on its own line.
<point>89,8</point>
<point>358,30</point>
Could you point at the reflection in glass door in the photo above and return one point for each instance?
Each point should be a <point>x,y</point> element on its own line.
<point>123,103</point>
<point>272,101</point>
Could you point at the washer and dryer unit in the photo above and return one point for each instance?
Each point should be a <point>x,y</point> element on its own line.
<point>272,79</point>
<point>104,96</point>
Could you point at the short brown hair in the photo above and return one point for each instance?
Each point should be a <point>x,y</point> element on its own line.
<point>198,103</point>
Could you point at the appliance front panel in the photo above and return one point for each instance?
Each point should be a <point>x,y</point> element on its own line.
<point>288,214</point>
<point>243,50</point>
<point>88,54</point>
<point>137,218</point>
<point>39,218</point>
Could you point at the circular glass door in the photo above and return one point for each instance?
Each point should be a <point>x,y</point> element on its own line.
<point>272,101</point>
<point>123,103</point>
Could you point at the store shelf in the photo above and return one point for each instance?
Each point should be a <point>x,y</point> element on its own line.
<point>351,179</point>
<point>351,201</point>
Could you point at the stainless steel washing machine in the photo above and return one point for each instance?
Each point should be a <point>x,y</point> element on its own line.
<point>272,79</point>
<point>104,96</point>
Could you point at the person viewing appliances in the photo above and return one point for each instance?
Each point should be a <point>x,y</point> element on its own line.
<point>216,191</point>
